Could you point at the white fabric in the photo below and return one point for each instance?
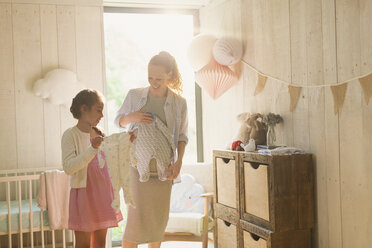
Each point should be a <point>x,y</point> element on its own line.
<point>153,140</point>
<point>186,197</point>
<point>185,222</point>
<point>281,151</point>
<point>76,155</point>
<point>118,150</point>
<point>54,196</point>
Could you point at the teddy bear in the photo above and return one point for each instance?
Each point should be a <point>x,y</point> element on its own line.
<point>251,127</point>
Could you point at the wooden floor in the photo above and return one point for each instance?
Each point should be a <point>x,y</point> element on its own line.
<point>172,244</point>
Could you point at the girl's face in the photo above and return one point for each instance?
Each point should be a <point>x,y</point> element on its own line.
<point>158,77</point>
<point>93,115</point>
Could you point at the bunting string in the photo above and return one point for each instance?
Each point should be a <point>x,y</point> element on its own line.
<point>304,86</point>
<point>338,88</point>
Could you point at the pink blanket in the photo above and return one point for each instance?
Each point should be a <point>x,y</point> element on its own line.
<point>54,196</point>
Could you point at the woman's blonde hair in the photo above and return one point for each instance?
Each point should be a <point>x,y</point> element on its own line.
<point>169,63</point>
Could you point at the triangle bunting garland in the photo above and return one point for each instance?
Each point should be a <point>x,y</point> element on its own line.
<point>338,90</point>
<point>366,84</point>
<point>294,95</point>
<point>261,82</point>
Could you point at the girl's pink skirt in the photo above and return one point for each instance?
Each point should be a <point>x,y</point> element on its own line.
<point>90,207</point>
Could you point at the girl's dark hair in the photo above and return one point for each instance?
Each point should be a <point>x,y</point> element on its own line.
<point>169,63</point>
<point>87,97</point>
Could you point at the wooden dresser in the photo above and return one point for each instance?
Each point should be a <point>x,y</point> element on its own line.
<point>263,201</point>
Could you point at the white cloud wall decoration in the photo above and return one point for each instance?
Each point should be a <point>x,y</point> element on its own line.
<point>58,86</point>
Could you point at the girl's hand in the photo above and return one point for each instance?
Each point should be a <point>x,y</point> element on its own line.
<point>96,142</point>
<point>132,136</point>
<point>174,170</point>
<point>141,117</point>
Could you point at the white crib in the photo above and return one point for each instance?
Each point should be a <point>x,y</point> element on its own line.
<point>22,223</point>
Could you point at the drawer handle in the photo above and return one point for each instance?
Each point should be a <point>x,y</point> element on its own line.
<point>226,160</point>
<point>227,223</point>
<point>254,165</point>
<point>254,236</point>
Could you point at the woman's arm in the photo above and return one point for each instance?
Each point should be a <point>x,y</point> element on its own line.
<point>183,131</point>
<point>174,169</point>
<point>138,116</point>
<point>181,150</point>
<point>125,116</point>
<point>124,110</point>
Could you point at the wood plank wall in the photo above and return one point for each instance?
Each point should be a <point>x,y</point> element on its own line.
<point>308,42</point>
<point>37,36</point>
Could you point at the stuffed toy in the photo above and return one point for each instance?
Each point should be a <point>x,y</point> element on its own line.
<point>251,127</point>
<point>250,147</point>
<point>236,146</point>
<point>245,129</point>
<point>186,197</point>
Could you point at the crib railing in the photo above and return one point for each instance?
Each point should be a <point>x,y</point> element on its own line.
<point>25,187</point>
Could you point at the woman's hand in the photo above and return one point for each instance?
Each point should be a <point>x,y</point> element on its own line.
<point>141,117</point>
<point>174,170</point>
<point>138,116</point>
<point>96,142</point>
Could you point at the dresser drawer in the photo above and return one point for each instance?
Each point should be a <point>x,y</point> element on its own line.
<point>276,192</point>
<point>257,237</point>
<point>227,179</point>
<point>256,189</point>
<point>226,234</point>
<point>251,240</point>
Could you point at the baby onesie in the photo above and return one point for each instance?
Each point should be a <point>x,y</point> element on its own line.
<point>153,140</point>
<point>118,150</point>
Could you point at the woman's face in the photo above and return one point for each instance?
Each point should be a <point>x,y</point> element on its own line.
<point>93,115</point>
<point>158,77</point>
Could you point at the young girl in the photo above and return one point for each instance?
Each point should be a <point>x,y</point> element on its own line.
<point>90,211</point>
<point>147,222</point>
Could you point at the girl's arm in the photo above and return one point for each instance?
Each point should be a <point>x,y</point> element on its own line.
<point>72,163</point>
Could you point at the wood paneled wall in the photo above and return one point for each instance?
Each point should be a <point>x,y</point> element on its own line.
<point>37,36</point>
<point>307,42</point>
